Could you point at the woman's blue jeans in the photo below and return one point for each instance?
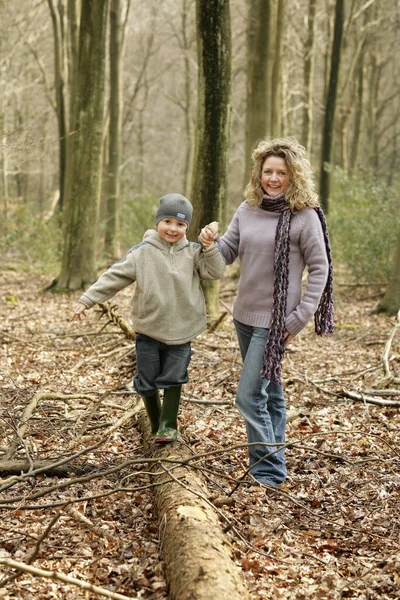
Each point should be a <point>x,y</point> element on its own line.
<point>262,405</point>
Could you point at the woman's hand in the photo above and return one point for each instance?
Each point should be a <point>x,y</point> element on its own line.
<point>79,313</point>
<point>287,337</point>
<point>208,234</point>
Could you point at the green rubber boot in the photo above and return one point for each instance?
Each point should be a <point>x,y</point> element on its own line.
<point>153,408</point>
<point>168,429</point>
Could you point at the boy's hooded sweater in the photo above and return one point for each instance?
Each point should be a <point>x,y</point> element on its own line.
<point>251,236</point>
<point>168,301</point>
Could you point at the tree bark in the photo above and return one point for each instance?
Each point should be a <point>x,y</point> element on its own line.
<point>276,80</point>
<point>330,109</point>
<point>372,129</point>
<point>344,127</point>
<point>86,147</point>
<point>60,79</point>
<point>359,110</point>
<point>186,44</point>
<point>309,64</point>
<point>198,562</point>
<point>112,225</point>
<point>390,303</point>
<point>4,170</point>
<point>258,77</point>
<point>209,183</point>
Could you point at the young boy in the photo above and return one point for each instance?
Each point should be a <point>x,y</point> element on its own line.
<point>168,306</point>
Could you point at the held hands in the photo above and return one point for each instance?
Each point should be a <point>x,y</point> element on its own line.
<point>208,234</point>
<point>79,313</point>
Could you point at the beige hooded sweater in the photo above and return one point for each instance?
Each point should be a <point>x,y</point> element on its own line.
<point>168,301</point>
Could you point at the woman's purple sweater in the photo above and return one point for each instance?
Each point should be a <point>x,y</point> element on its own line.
<point>251,236</point>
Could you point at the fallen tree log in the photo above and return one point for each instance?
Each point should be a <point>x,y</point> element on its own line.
<point>197,554</point>
<point>16,467</point>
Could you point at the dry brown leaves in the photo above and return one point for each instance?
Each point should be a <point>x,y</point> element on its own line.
<point>331,532</point>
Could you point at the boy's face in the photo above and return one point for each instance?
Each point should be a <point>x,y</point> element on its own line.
<point>171,230</point>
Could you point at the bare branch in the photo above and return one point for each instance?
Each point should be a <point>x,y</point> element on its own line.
<point>65,578</point>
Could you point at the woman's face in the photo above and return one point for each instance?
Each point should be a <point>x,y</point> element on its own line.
<point>274,175</point>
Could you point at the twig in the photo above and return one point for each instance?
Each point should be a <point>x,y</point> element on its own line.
<point>370,399</point>
<point>383,392</point>
<point>225,306</point>
<point>90,414</point>
<point>32,556</point>
<point>361,284</point>
<point>217,322</point>
<point>28,412</point>
<point>121,421</point>
<point>378,563</point>
<point>65,578</point>
<point>208,402</point>
<point>15,479</point>
<point>78,516</point>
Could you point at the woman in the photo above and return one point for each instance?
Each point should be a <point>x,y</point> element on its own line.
<point>277,232</point>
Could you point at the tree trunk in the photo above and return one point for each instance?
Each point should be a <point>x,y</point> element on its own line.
<point>198,562</point>
<point>329,121</point>
<point>4,171</point>
<point>73,55</point>
<point>358,115</point>
<point>112,226</point>
<point>390,303</point>
<point>309,64</point>
<point>188,100</point>
<point>344,154</point>
<point>73,16</point>
<point>276,80</point>
<point>209,183</point>
<point>59,83</point>
<point>258,77</point>
<point>372,129</point>
<point>79,258</point>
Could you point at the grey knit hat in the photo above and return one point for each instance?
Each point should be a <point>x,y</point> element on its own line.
<point>174,206</point>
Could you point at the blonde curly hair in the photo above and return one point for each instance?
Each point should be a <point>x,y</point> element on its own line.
<point>300,192</point>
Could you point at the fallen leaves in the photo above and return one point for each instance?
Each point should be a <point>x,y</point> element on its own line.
<point>332,529</point>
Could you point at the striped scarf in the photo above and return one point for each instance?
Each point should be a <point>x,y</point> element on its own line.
<point>275,347</point>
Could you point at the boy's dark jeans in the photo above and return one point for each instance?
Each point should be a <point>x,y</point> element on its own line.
<point>159,365</point>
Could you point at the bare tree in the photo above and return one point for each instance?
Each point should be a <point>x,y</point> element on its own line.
<point>330,108</point>
<point>309,67</point>
<point>276,79</point>
<point>259,71</point>
<point>212,127</point>
<point>59,81</point>
<point>116,50</point>
<point>79,257</point>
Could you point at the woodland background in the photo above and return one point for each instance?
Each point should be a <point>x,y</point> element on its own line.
<point>323,71</point>
<point>104,107</point>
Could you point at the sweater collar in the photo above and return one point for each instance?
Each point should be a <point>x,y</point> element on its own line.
<point>154,238</point>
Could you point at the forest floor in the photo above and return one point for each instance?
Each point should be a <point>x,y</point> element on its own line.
<point>332,531</point>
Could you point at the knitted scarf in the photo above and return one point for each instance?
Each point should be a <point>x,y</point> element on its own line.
<point>274,347</point>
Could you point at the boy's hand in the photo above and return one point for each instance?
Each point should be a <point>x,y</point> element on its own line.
<point>79,313</point>
<point>208,234</point>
